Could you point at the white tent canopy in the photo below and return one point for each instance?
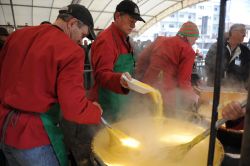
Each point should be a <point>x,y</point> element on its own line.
<point>33,12</point>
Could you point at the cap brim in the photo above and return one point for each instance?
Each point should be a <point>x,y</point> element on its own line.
<point>91,35</point>
<point>137,17</point>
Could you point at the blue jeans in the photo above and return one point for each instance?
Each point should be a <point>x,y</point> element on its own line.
<point>39,156</point>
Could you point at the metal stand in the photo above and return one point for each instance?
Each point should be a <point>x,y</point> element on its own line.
<point>217,81</point>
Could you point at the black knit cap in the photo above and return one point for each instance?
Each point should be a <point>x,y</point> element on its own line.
<point>129,7</point>
<point>3,32</point>
<point>81,13</point>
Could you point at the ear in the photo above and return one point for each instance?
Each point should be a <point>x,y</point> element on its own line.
<point>117,15</point>
<point>72,21</point>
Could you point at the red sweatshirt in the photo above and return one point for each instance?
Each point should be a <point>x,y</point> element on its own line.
<point>170,65</point>
<point>104,54</point>
<point>40,66</point>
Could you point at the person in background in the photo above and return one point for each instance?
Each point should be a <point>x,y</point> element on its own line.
<point>87,66</point>
<point>3,36</point>
<point>85,45</point>
<point>41,69</point>
<point>236,62</point>
<point>170,64</point>
<point>112,59</point>
<point>137,48</point>
<point>235,74</point>
<point>86,48</point>
<point>144,59</point>
<point>210,61</point>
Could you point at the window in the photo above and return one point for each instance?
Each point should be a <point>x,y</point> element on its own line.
<point>171,25</point>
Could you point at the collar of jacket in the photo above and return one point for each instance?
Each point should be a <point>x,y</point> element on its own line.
<point>118,32</point>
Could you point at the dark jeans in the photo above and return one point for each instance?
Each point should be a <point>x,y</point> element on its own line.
<point>39,156</point>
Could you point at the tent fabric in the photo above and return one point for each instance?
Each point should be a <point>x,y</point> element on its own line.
<point>33,12</point>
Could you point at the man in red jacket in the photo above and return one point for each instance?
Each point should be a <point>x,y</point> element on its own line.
<point>112,57</point>
<point>170,61</point>
<point>41,67</point>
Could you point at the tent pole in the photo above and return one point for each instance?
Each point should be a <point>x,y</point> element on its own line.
<point>217,81</point>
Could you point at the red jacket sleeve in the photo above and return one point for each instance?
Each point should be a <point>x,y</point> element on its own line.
<point>71,94</point>
<point>103,59</point>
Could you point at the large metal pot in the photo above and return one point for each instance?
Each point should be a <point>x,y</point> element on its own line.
<point>226,95</point>
<point>154,135</point>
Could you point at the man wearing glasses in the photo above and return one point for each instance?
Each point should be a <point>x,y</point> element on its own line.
<point>236,62</point>
<point>41,68</point>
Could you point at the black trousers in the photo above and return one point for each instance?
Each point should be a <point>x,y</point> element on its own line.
<point>78,140</point>
<point>3,161</point>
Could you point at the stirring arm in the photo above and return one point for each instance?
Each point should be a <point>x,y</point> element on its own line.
<point>105,122</point>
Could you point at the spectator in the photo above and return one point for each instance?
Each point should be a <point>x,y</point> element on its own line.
<point>236,62</point>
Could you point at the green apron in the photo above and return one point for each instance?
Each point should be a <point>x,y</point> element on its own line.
<point>50,122</point>
<point>112,103</point>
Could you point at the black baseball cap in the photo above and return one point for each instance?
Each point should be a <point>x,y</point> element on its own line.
<point>81,13</point>
<point>129,7</point>
<point>3,31</point>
